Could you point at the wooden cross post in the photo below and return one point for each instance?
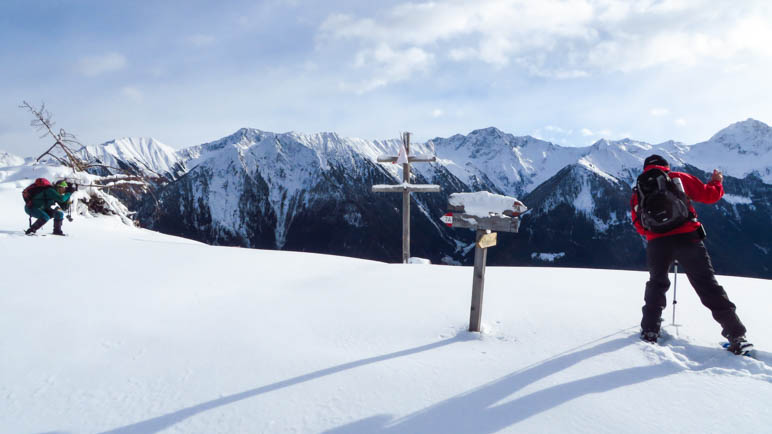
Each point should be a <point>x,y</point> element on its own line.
<point>406,187</point>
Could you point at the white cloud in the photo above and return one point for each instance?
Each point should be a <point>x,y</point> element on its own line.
<point>91,66</point>
<point>659,111</point>
<point>436,113</point>
<point>559,130</point>
<point>567,38</point>
<point>586,132</point>
<point>133,93</point>
<point>201,40</point>
<point>385,65</point>
<point>681,122</point>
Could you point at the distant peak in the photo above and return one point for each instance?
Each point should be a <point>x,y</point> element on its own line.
<point>489,130</point>
<point>748,134</point>
<point>748,125</point>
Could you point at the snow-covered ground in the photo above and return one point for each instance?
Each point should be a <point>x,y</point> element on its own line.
<point>119,329</point>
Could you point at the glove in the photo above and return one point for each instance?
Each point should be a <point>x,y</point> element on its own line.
<point>71,188</point>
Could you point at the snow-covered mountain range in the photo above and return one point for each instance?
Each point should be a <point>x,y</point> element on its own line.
<point>514,164</point>
<point>312,193</point>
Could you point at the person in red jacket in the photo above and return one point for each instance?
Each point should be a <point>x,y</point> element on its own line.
<point>684,244</point>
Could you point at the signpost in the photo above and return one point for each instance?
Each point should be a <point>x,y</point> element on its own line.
<point>503,215</point>
<point>406,187</point>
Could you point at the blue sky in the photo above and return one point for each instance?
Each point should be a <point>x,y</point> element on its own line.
<point>568,71</point>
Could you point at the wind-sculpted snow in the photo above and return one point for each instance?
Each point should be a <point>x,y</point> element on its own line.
<point>691,356</point>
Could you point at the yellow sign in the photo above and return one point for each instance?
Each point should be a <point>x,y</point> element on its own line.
<point>487,240</point>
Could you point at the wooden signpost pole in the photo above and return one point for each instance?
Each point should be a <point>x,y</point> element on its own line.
<point>497,219</point>
<point>478,282</point>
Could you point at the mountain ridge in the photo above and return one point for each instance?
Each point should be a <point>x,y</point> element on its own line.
<point>312,192</point>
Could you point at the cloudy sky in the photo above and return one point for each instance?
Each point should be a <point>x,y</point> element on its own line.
<point>568,71</point>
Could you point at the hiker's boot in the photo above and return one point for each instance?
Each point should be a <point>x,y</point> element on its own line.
<point>649,336</point>
<point>739,345</point>
<point>58,227</point>
<point>35,226</point>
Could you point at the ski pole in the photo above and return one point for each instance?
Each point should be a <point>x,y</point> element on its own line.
<point>675,286</point>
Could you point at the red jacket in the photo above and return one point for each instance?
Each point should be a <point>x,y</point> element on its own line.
<point>694,188</point>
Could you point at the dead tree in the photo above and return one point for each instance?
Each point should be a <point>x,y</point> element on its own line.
<point>64,141</point>
<point>131,184</point>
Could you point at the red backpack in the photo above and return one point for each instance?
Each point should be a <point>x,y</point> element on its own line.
<point>33,189</point>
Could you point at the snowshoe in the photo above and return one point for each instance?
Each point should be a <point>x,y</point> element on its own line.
<point>58,228</point>
<point>34,227</point>
<point>650,336</point>
<point>739,346</point>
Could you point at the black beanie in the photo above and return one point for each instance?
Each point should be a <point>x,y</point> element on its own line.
<point>655,160</point>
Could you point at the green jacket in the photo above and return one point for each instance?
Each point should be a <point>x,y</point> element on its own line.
<point>49,197</point>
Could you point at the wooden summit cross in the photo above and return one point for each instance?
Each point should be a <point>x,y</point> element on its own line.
<point>406,187</point>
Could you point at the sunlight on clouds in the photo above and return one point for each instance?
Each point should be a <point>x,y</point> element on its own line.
<point>387,65</point>
<point>91,66</point>
<point>564,39</point>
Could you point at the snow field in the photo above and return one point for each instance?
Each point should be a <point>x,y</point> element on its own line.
<point>119,329</point>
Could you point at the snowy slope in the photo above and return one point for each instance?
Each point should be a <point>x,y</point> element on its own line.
<point>513,164</point>
<point>7,159</point>
<point>325,147</point>
<point>138,332</point>
<point>284,168</point>
<point>145,155</point>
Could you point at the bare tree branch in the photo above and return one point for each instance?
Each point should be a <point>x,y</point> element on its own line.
<point>81,159</point>
<point>43,122</point>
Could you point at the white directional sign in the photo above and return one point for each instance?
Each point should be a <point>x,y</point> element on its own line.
<point>447,219</point>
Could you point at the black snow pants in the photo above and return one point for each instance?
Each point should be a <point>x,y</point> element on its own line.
<point>692,256</point>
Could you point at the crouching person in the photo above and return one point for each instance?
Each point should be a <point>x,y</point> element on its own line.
<point>41,206</point>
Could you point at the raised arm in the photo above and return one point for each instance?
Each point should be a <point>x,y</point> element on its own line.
<point>705,193</point>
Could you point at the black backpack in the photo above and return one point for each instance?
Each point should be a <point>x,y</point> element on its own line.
<point>662,206</point>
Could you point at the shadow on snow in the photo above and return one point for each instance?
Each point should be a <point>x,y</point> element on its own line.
<point>477,410</point>
<point>162,422</point>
